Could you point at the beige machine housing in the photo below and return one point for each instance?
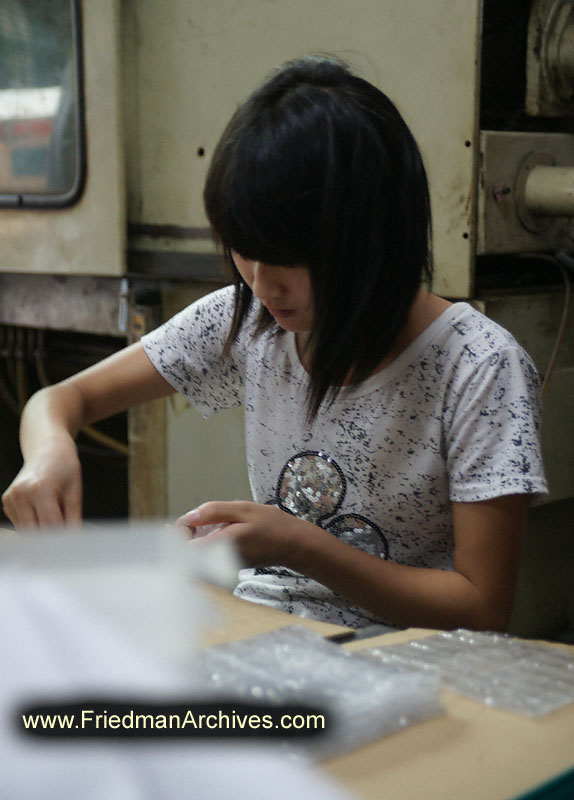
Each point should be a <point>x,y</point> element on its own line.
<point>161,79</point>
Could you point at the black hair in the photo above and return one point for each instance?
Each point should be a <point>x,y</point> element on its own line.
<point>317,168</point>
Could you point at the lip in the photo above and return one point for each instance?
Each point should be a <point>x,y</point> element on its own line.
<point>281,312</point>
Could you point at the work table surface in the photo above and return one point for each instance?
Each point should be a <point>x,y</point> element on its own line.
<point>471,752</point>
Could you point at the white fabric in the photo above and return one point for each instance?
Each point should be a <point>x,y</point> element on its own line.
<point>55,651</point>
<point>454,418</point>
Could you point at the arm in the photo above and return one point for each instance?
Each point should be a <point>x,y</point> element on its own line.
<point>478,593</point>
<point>47,490</point>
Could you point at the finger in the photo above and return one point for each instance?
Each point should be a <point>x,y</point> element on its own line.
<point>72,506</point>
<point>217,512</point>
<point>23,518</point>
<point>7,509</point>
<point>201,531</point>
<point>48,511</point>
<point>210,533</point>
<point>180,528</point>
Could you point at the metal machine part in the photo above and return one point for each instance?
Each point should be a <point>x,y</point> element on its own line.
<point>550,59</point>
<point>549,191</point>
<point>526,192</point>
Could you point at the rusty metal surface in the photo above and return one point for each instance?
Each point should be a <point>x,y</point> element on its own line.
<point>88,305</point>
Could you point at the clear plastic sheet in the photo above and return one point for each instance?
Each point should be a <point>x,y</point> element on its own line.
<point>363,699</point>
<point>497,670</point>
<point>141,578</point>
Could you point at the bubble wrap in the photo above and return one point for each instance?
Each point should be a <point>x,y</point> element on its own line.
<point>363,698</point>
<point>498,670</point>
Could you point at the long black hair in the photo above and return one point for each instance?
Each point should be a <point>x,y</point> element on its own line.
<point>317,168</point>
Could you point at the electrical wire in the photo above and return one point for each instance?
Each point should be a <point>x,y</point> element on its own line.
<point>564,262</point>
<point>6,395</point>
<point>7,399</point>
<point>559,259</point>
<point>9,358</point>
<point>22,392</point>
<point>93,433</point>
<point>108,441</point>
<point>16,346</point>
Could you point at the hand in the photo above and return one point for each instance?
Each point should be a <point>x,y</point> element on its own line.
<point>263,535</point>
<point>47,491</point>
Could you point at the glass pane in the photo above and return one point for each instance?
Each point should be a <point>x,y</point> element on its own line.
<point>38,98</point>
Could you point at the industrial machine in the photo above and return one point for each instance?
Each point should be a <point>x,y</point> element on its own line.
<point>109,113</point>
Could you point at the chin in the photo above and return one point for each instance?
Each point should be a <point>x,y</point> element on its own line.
<point>293,326</point>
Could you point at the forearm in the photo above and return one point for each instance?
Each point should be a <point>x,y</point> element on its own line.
<point>398,594</point>
<point>48,489</point>
<point>121,381</point>
<point>477,593</point>
<point>52,416</point>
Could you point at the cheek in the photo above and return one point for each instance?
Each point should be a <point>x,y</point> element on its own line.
<point>247,275</point>
<point>245,269</point>
<point>306,290</point>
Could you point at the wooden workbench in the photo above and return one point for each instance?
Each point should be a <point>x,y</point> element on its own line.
<point>472,752</point>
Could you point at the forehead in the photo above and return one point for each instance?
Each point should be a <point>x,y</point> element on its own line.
<point>293,271</point>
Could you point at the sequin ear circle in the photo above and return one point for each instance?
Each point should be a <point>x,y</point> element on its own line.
<point>311,486</point>
<point>359,532</point>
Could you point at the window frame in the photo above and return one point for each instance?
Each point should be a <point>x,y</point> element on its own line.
<point>35,200</point>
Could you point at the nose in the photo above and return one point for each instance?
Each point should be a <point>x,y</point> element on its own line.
<point>266,283</point>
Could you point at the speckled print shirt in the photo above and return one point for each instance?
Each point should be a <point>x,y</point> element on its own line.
<point>453,419</point>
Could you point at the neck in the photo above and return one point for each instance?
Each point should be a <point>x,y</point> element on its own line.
<point>426,307</point>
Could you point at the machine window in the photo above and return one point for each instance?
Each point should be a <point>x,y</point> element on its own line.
<point>42,154</point>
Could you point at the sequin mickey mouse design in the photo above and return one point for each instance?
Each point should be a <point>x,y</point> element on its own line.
<point>312,486</point>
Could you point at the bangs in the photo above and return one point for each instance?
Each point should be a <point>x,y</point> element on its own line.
<point>265,198</point>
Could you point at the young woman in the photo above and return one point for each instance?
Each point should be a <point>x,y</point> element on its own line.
<point>392,437</point>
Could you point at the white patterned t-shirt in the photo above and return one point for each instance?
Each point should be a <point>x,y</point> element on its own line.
<point>454,418</point>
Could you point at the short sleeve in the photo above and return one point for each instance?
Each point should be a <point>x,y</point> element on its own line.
<point>187,351</point>
<point>493,439</point>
